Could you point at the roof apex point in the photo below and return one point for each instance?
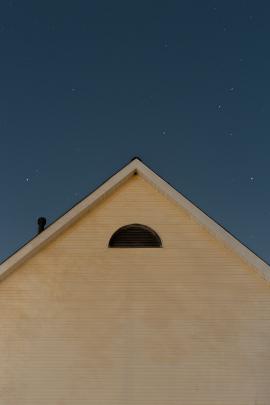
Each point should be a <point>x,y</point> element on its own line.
<point>136,158</point>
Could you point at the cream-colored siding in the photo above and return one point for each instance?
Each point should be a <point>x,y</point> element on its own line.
<point>82,324</point>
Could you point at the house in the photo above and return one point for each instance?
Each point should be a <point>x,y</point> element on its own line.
<point>134,297</point>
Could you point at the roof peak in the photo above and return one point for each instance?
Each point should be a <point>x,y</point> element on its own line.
<point>136,158</point>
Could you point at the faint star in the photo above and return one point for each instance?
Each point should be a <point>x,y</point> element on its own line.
<point>27,179</point>
<point>252,178</point>
<point>73,89</point>
<point>219,106</point>
<point>164,132</point>
<point>231,89</point>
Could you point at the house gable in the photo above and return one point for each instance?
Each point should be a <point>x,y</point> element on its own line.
<point>83,323</point>
<point>135,167</point>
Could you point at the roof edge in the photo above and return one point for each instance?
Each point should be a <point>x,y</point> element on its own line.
<point>211,225</point>
<point>31,247</point>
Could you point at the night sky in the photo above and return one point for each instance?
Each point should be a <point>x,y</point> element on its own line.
<point>87,85</point>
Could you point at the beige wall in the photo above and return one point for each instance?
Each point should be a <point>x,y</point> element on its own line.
<point>81,324</point>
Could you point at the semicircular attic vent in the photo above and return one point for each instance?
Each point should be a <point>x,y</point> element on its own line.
<point>133,236</point>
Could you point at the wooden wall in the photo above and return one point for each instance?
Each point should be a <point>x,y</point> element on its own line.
<point>82,324</point>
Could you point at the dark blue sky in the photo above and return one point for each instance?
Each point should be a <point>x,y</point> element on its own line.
<point>86,85</point>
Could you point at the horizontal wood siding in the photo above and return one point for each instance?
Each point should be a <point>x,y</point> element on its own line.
<point>81,324</point>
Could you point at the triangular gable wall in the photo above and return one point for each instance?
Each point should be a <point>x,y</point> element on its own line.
<point>139,168</point>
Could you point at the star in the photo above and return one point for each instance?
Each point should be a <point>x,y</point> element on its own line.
<point>252,178</point>
<point>164,132</point>
<point>27,179</point>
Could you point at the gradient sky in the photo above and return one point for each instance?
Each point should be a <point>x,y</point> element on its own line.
<point>87,85</point>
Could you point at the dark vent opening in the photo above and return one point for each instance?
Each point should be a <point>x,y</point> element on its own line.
<point>135,235</point>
